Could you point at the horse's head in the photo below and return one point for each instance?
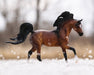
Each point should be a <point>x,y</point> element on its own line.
<point>77,27</point>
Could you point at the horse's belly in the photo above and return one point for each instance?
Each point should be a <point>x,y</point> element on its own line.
<point>51,43</point>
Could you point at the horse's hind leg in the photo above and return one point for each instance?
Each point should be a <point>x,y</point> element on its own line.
<point>30,52</point>
<point>38,53</point>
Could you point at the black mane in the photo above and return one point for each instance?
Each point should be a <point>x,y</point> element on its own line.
<point>65,16</point>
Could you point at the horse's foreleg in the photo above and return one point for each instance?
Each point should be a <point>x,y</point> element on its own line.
<point>71,48</point>
<point>65,54</point>
<point>74,51</point>
<point>30,52</point>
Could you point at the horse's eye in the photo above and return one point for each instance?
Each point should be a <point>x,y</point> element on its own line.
<point>78,26</point>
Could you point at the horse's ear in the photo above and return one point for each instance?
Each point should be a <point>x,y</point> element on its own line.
<point>79,22</point>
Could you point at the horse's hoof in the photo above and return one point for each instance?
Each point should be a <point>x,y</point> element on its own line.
<point>39,58</point>
<point>28,56</point>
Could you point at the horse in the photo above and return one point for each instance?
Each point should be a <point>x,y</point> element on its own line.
<point>48,38</point>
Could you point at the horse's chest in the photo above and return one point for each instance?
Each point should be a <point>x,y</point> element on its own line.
<point>64,40</point>
<point>67,38</point>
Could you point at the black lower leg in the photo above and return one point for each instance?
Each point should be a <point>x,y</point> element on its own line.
<point>73,50</point>
<point>65,55</point>
<point>39,57</point>
<point>29,54</point>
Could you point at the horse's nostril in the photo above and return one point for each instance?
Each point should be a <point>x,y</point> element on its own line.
<point>81,34</point>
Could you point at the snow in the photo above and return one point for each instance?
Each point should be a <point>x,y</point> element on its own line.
<point>90,51</point>
<point>47,67</point>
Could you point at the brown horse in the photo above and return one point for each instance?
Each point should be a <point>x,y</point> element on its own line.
<point>49,38</point>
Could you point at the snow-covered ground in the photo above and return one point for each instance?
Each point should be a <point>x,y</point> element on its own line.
<point>47,67</point>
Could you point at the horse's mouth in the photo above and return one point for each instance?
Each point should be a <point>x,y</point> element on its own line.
<point>81,34</point>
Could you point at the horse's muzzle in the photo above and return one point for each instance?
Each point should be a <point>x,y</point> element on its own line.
<point>81,34</point>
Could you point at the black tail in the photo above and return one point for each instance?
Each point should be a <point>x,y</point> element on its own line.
<point>25,29</point>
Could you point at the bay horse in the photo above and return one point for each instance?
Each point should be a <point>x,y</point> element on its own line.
<point>48,38</point>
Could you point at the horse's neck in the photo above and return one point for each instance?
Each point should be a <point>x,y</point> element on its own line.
<point>65,31</point>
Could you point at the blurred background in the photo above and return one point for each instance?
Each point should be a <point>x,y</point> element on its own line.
<point>42,14</point>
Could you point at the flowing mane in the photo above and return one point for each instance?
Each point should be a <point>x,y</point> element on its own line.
<point>61,20</point>
<point>63,17</point>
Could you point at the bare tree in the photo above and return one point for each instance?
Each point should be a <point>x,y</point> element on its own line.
<point>4,12</point>
<point>37,15</point>
<point>93,23</point>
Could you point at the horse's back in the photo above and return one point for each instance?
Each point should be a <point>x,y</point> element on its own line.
<point>48,38</point>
